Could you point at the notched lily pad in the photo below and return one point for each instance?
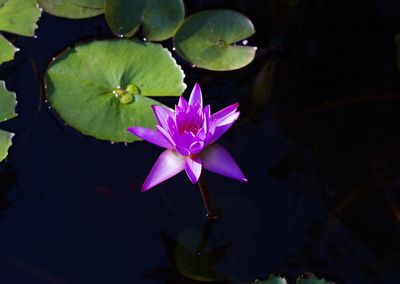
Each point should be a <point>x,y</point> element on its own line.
<point>207,40</point>
<point>160,18</point>
<point>7,50</point>
<point>7,111</point>
<point>19,16</point>
<point>101,88</point>
<point>71,9</point>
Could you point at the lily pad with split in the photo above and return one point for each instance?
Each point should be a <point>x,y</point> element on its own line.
<point>8,103</point>
<point>160,18</point>
<point>101,88</point>
<point>208,40</point>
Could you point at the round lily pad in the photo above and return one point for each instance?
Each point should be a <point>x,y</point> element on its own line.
<point>7,50</point>
<point>7,111</point>
<point>19,16</point>
<point>101,88</point>
<point>208,40</point>
<point>160,18</point>
<point>70,9</point>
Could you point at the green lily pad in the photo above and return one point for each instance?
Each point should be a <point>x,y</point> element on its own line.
<point>19,16</point>
<point>160,18</point>
<point>7,103</point>
<point>101,88</point>
<point>69,9</point>
<point>7,111</point>
<point>5,143</point>
<point>207,40</point>
<point>272,279</point>
<point>91,3</point>
<point>310,279</point>
<point>7,50</point>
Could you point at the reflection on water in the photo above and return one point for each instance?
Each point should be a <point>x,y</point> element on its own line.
<point>189,260</point>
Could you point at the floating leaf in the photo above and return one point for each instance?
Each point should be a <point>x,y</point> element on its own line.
<point>160,18</point>
<point>19,16</point>
<point>5,143</point>
<point>101,88</point>
<point>7,50</point>
<point>7,103</point>
<point>272,279</point>
<point>308,279</point>
<point>7,111</point>
<point>69,9</point>
<point>91,3</point>
<point>206,39</point>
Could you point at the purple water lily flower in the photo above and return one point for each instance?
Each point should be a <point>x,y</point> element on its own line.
<point>188,134</point>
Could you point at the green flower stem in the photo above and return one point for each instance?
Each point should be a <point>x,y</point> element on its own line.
<point>211,212</point>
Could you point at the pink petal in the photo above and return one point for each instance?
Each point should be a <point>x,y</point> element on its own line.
<point>193,168</point>
<point>166,134</point>
<point>183,142</point>
<point>182,103</point>
<point>216,159</point>
<point>196,147</point>
<point>224,113</point>
<point>218,131</point>
<point>229,119</point>
<point>162,115</point>
<point>151,136</point>
<point>196,98</point>
<point>169,164</point>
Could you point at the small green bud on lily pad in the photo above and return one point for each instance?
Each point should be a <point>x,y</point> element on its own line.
<point>101,88</point>
<point>208,40</point>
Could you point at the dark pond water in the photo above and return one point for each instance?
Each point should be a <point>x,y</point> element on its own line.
<point>318,139</point>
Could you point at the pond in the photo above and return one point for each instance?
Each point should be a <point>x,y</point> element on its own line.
<point>317,138</point>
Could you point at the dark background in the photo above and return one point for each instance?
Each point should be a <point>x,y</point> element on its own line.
<point>318,140</point>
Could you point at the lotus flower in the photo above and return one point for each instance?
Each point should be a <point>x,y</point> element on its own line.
<point>189,134</point>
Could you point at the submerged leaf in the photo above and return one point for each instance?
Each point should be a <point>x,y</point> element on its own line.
<point>19,16</point>
<point>101,88</point>
<point>206,39</point>
<point>160,18</point>
<point>70,9</point>
<point>7,50</point>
